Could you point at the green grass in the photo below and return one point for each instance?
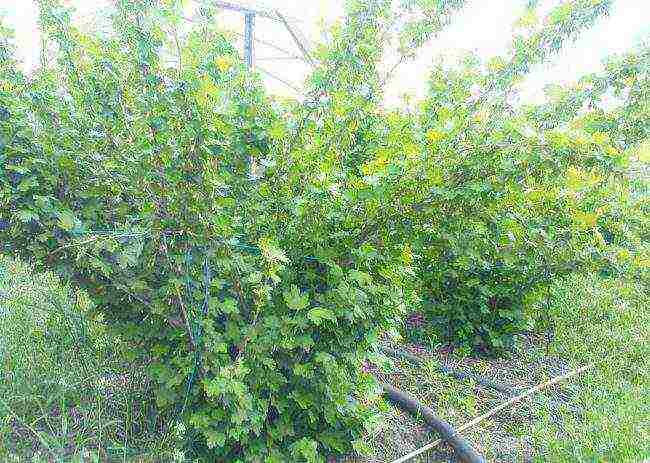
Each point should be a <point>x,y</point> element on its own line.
<point>65,395</point>
<point>606,321</point>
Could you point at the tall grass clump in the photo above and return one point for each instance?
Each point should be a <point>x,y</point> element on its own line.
<point>64,392</point>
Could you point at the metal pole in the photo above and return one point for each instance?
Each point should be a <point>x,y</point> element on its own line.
<point>249,19</point>
<point>242,9</point>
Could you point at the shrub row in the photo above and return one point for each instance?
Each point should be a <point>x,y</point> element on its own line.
<point>253,250</point>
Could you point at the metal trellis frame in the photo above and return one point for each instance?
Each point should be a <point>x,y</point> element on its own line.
<point>249,35</point>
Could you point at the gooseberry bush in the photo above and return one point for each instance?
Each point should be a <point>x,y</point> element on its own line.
<point>253,251</point>
<point>134,178</point>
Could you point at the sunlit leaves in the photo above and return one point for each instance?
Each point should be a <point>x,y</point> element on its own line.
<point>642,152</point>
<point>318,314</point>
<point>579,179</point>
<point>295,300</point>
<point>585,220</point>
<point>223,63</point>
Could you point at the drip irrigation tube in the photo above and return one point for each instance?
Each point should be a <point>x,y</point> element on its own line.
<point>497,409</point>
<point>462,448</point>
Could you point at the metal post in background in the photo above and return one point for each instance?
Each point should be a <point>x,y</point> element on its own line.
<point>249,38</point>
<point>249,19</point>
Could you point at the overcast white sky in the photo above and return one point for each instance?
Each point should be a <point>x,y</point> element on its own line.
<point>483,26</point>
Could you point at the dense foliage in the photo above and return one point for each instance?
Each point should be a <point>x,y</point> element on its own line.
<point>253,251</point>
<point>538,201</point>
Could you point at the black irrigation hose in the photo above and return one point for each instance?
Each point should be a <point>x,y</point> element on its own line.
<point>451,371</point>
<point>463,449</point>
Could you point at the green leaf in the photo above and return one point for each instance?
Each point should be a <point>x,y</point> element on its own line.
<point>307,449</point>
<point>295,300</point>
<point>272,253</point>
<point>228,306</point>
<point>130,256</point>
<point>361,447</point>
<point>27,216</point>
<point>318,314</point>
<point>67,220</point>
<point>214,439</point>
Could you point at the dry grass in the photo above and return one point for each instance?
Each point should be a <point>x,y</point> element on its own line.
<point>459,401</point>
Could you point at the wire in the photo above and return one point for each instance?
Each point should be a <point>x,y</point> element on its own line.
<point>265,8</point>
<point>299,41</point>
<point>280,58</point>
<point>279,79</point>
<point>236,7</point>
<point>271,45</point>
